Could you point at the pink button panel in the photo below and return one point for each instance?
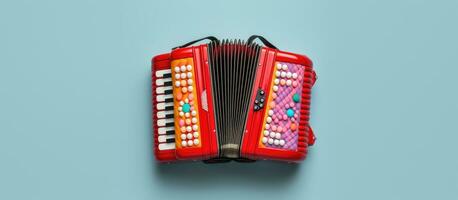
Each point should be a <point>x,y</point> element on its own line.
<point>283,110</point>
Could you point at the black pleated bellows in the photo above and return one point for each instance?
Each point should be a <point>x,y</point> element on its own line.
<point>233,65</point>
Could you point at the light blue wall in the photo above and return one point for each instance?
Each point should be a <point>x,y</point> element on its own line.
<point>75,89</point>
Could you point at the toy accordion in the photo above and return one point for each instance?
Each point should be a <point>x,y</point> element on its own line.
<point>231,100</point>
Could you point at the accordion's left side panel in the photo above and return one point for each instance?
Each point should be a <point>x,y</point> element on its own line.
<point>163,129</point>
<point>194,117</point>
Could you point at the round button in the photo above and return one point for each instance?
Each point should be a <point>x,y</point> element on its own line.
<point>296,98</point>
<point>189,67</point>
<point>189,136</point>
<point>284,67</point>
<point>264,140</point>
<point>183,143</point>
<point>288,74</point>
<point>290,112</point>
<point>196,142</point>
<point>196,134</point>
<point>266,133</point>
<point>270,141</point>
<point>183,136</point>
<point>183,68</point>
<point>183,83</point>
<point>187,107</point>
<point>179,96</point>
<point>272,134</point>
<point>177,69</point>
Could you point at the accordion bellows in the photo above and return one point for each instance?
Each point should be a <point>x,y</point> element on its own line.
<point>231,100</point>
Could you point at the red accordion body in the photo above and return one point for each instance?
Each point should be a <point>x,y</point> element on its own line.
<point>270,122</point>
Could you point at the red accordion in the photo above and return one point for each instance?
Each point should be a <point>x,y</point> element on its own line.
<point>231,100</point>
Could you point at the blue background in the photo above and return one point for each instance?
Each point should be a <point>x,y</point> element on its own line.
<point>75,99</point>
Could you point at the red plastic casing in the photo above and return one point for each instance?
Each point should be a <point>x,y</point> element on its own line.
<point>250,143</point>
<point>250,148</point>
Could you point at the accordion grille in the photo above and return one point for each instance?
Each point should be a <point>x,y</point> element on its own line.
<point>233,65</point>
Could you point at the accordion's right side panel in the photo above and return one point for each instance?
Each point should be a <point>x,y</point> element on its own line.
<point>286,133</point>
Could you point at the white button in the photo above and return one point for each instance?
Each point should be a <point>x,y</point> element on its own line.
<point>271,112</point>
<point>282,142</point>
<point>276,81</point>
<point>277,73</point>
<point>288,82</point>
<point>190,142</point>
<point>190,88</point>
<point>195,127</point>
<point>196,134</point>
<point>181,114</point>
<point>294,75</point>
<point>275,88</point>
<point>264,140</point>
<point>183,68</point>
<point>189,75</point>
<point>189,136</point>
<point>278,66</point>
<point>189,67</point>
<point>177,83</point>
<point>270,141</point>
<point>188,129</point>
<point>276,142</point>
<point>180,108</point>
<point>183,75</point>
<point>267,126</point>
<point>181,103</point>
<point>277,135</point>
<point>177,69</point>
<point>186,100</point>
<point>283,74</point>
<point>269,119</point>
<point>177,76</point>
<point>183,136</point>
<point>196,142</point>
<point>193,113</point>
<point>194,120</point>
<point>272,134</point>
<point>189,81</point>
<point>288,74</point>
<point>187,114</point>
<point>266,133</point>
<point>284,67</point>
<point>183,143</point>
